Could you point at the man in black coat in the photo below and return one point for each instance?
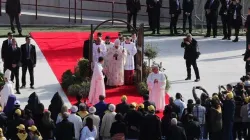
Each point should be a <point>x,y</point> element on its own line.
<point>122,107</point>
<point>176,132</point>
<point>211,8</point>
<point>247,28</point>
<point>65,130</point>
<point>147,102</point>
<point>12,62</point>
<point>225,13</point>
<point>133,7</point>
<point>13,9</point>
<point>188,6</point>
<point>86,48</point>
<point>191,55</point>
<point>236,18</point>
<point>4,51</point>
<point>154,13</point>
<point>192,128</point>
<point>174,11</point>
<point>28,61</point>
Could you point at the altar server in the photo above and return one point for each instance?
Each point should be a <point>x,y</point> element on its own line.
<point>7,89</point>
<point>116,58</point>
<point>108,43</point>
<point>97,86</point>
<point>156,85</point>
<point>99,50</point>
<point>129,65</point>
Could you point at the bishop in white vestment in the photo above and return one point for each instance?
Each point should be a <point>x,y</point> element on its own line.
<point>116,58</point>
<point>156,85</point>
<point>7,89</point>
<point>99,50</point>
<point>97,86</point>
<point>129,65</point>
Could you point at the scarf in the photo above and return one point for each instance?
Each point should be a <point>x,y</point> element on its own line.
<point>22,136</point>
<point>82,114</point>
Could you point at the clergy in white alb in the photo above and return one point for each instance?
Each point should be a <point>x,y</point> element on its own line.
<point>108,45</point>
<point>97,86</point>
<point>116,58</point>
<point>7,89</point>
<point>129,65</point>
<point>156,85</point>
<point>99,50</point>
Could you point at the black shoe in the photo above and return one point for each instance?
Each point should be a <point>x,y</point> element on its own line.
<point>22,87</point>
<point>243,54</point>
<point>229,38</point>
<point>158,33</point>
<point>13,31</point>
<point>224,38</point>
<point>235,40</point>
<point>207,36</point>
<point>18,92</point>
<point>20,34</point>
<point>197,80</point>
<point>32,87</point>
<point>188,78</point>
<point>214,36</point>
<point>153,32</point>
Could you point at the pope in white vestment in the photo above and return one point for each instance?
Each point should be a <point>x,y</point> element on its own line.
<point>130,62</point>
<point>7,89</point>
<point>116,58</point>
<point>156,85</point>
<point>97,86</point>
<point>99,50</point>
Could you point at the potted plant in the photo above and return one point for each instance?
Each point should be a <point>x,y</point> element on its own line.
<point>150,52</point>
<point>74,89</point>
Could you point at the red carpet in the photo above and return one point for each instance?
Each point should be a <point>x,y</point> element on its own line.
<point>63,49</point>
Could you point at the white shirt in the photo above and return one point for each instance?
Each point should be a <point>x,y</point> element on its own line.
<point>181,105</point>
<point>86,134</point>
<point>77,121</point>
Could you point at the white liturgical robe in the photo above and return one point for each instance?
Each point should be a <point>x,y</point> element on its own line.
<point>96,54</point>
<point>131,51</point>
<point>97,86</point>
<point>7,89</point>
<point>157,90</point>
<point>110,45</point>
<point>115,66</point>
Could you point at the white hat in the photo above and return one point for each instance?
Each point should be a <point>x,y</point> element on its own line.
<point>74,109</point>
<point>117,42</point>
<point>112,107</point>
<point>92,110</point>
<point>7,74</point>
<point>174,121</point>
<point>17,102</point>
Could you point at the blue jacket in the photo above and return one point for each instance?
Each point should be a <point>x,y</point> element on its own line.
<point>101,107</point>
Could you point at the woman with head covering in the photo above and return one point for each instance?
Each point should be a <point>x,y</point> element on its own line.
<point>33,102</point>
<point>13,124</point>
<point>118,128</point>
<point>89,132</point>
<point>28,121</point>
<point>59,116</point>
<point>47,126</point>
<point>55,106</point>
<point>21,133</point>
<point>39,115</point>
<point>10,104</point>
<point>34,133</point>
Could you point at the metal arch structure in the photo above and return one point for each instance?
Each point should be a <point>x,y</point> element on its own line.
<point>139,45</point>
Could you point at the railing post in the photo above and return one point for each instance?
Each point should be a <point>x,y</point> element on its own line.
<point>36,9</point>
<point>1,8</point>
<point>113,6</point>
<point>81,11</point>
<point>75,11</point>
<point>69,10</point>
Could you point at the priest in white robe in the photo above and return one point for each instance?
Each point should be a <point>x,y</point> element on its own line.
<point>99,50</point>
<point>116,58</point>
<point>108,43</point>
<point>156,85</point>
<point>7,89</point>
<point>130,63</point>
<point>97,86</point>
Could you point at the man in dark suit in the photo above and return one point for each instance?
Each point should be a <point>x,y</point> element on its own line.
<point>174,11</point>
<point>13,9</point>
<point>12,62</point>
<point>191,54</point>
<point>175,132</point>
<point>133,7</point>
<point>247,28</point>
<point>236,18</point>
<point>211,8</point>
<point>225,14</point>
<point>65,129</point>
<point>147,102</point>
<point>28,61</point>
<point>122,107</point>
<point>192,128</point>
<point>86,48</point>
<point>188,6</point>
<point>6,44</point>
<point>154,13</point>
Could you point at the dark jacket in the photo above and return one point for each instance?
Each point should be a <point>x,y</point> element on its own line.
<point>13,56</point>
<point>247,25</point>
<point>153,5</point>
<point>192,129</point>
<point>247,55</point>
<point>122,108</point>
<point>174,8</point>
<point>188,6</point>
<point>4,49</point>
<point>101,107</point>
<point>47,130</point>
<point>133,6</point>
<point>166,123</point>
<point>11,127</point>
<point>176,133</point>
<point>133,121</point>
<point>224,9</point>
<point>215,123</point>
<point>150,128</point>
<point>148,103</point>
<point>236,19</point>
<point>118,127</point>
<point>13,7</point>
<point>32,54</point>
<point>65,130</point>
<point>55,106</point>
<point>228,111</point>
<point>212,7</point>
<point>191,50</point>
<point>169,109</point>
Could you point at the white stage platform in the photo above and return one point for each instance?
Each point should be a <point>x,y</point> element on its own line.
<point>220,63</point>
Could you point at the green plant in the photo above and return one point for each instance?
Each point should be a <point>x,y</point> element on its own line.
<point>85,88</point>
<point>74,89</point>
<point>142,88</point>
<point>84,68</point>
<point>2,82</point>
<point>167,83</point>
<point>150,52</point>
<point>67,79</point>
